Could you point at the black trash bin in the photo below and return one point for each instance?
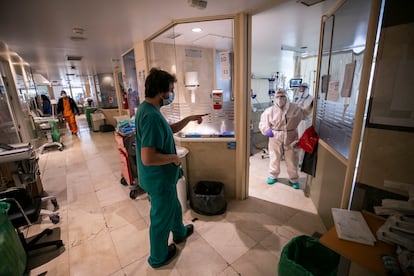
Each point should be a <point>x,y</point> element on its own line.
<point>306,256</point>
<point>207,198</point>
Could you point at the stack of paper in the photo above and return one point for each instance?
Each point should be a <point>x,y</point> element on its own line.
<point>351,226</point>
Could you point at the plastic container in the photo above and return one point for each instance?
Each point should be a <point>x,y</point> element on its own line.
<point>97,120</point>
<point>88,112</point>
<point>182,193</point>
<point>182,182</point>
<point>121,118</point>
<point>13,258</point>
<point>207,198</point>
<point>306,256</point>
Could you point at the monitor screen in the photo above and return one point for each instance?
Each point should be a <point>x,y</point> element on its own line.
<point>295,83</point>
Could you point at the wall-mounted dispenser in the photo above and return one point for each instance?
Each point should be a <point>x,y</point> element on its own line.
<point>191,83</point>
<point>217,99</point>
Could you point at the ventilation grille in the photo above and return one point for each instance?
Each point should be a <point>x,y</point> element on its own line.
<point>74,58</point>
<point>196,53</point>
<point>173,35</point>
<point>309,3</point>
<point>77,38</point>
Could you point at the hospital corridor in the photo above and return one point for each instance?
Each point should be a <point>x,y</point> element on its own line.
<point>282,129</point>
<point>105,232</point>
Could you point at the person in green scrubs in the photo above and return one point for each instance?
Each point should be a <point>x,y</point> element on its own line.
<point>159,166</point>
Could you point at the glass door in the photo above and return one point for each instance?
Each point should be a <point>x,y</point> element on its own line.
<point>9,133</point>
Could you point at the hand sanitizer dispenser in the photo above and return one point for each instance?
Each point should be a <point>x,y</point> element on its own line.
<point>217,99</point>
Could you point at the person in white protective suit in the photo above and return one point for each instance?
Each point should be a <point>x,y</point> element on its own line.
<point>304,100</point>
<point>279,122</point>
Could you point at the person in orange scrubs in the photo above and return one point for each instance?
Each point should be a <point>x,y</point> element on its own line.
<point>67,107</point>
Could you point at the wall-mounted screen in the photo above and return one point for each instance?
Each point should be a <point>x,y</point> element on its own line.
<point>295,83</point>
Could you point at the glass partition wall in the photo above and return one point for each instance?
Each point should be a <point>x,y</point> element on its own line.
<point>200,54</point>
<point>342,54</point>
<point>16,98</point>
<point>9,132</point>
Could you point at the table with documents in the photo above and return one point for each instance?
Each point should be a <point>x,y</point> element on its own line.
<point>367,256</point>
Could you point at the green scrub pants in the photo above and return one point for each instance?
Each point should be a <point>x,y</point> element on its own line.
<point>166,215</point>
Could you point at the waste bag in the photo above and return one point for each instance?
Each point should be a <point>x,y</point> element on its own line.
<point>55,131</point>
<point>306,256</point>
<point>12,254</point>
<point>207,198</point>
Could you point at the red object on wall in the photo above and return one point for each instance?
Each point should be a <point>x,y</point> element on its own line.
<point>217,99</point>
<point>124,100</point>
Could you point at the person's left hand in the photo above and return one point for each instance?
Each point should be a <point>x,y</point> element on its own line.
<point>295,144</point>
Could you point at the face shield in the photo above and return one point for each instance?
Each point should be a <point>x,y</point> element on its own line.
<point>303,88</point>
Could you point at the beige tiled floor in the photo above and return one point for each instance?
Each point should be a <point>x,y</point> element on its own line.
<point>105,232</point>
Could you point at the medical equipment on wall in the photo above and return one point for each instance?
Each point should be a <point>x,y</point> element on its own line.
<point>271,91</point>
<point>294,83</point>
<point>254,97</point>
<point>273,83</point>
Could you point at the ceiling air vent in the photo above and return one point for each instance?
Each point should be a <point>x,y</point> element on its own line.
<point>199,4</point>
<point>309,3</point>
<point>173,35</point>
<point>74,58</point>
<point>196,53</point>
<point>77,38</point>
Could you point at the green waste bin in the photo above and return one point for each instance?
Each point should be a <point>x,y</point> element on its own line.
<point>305,255</point>
<point>88,112</point>
<point>55,131</point>
<point>13,258</point>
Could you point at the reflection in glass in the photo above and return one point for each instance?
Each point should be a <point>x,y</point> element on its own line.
<point>8,130</point>
<point>203,63</point>
<point>340,72</point>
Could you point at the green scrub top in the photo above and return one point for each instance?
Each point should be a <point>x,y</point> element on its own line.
<point>152,130</point>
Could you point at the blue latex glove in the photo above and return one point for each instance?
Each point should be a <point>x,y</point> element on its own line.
<point>269,133</point>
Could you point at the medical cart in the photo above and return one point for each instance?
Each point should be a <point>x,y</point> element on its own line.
<point>127,156</point>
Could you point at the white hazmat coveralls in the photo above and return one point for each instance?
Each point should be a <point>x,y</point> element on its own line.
<point>304,100</point>
<point>283,121</point>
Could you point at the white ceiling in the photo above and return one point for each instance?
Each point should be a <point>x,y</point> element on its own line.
<point>39,31</point>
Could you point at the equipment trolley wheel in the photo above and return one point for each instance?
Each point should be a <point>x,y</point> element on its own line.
<point>54,203</point>
<point>123,181</point>
<point>54,218</point>
<point>60,244</point>
<point>133,194</point>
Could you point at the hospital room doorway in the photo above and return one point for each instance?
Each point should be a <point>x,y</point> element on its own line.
<point>287,53</point>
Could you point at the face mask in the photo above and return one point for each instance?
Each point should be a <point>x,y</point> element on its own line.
<point>169,100</point>
<point>64,96</point>
<point>281,101</point>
